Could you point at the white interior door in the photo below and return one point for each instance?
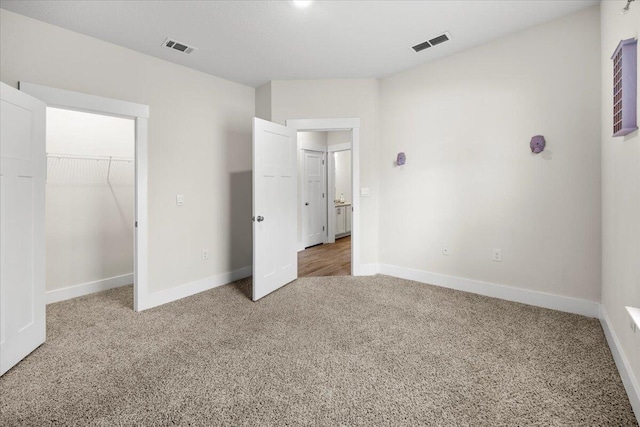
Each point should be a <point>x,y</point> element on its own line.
<point>275,258</point>
<point>22,241</point>
<point>314,209</point>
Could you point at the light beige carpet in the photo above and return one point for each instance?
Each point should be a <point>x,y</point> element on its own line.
<point>321,351</point>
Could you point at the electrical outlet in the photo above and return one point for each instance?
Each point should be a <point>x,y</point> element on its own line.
<point>205,254</point>
<point>446,250</point>
<point>497,255</point>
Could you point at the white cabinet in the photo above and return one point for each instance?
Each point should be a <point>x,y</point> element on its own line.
<point>343,220</point>
<point>341,223</point>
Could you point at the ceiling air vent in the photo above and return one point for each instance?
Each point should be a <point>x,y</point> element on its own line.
<point>432,42</point>
<point>180,47</point>
<point>421,46</point>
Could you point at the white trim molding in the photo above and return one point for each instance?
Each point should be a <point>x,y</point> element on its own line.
<point>331,205</point>
<point>84,102</point>
<point>367,270</point>
<point>339,147</point>
<point>78,101</point>
<point>57,295</point>
<point>173,294</point>
<point>310,125</point>
<point>629,381</point>
<point>311,146</point>
<point>509,293</point>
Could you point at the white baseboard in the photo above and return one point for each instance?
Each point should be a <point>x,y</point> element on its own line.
<point>366,270</point>
<point>75,291</point>
<point>525,296</point>
<point>155,299</point>
<point>624,368</point>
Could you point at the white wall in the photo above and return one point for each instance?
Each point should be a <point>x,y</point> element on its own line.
<point>263,101</point>
<point>312,99</point>
<point>312,138</point>
<point>89,219</point>
<point>337,137</point>
<point>343,176</point>
<point>199,141</point>
<point>470,180</point>
<point>620,193</point>
<point>86,134</point>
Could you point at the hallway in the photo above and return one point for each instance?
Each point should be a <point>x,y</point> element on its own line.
<point>330,259</point>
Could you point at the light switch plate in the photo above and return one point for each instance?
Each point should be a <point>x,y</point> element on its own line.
<point>180,200</point>
<point>364,192</point>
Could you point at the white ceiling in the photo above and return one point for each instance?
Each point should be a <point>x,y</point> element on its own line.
<point>252,42</point>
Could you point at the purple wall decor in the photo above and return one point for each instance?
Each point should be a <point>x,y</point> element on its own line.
<point>537,144</point>
<point>401,159</point>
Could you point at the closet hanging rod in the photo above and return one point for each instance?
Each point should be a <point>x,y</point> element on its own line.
<point>97,158</point>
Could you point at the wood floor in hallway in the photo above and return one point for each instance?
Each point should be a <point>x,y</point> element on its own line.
<point>330,259</point>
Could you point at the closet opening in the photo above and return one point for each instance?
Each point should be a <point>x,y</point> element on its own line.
<point>90,202</point>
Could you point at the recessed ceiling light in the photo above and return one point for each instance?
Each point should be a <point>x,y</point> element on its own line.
<point>302,4</point>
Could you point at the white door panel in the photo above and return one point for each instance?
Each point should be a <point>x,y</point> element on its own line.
<point>314,209</point>
<point>275,259</point>
<point>22,262</point>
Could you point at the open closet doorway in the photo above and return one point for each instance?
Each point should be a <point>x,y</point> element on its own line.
<point>325,203</point>
<point>90,203</point>
<point>138,114</point>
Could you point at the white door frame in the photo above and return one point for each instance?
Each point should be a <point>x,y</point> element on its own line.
<point>352,124</point>
<point>70,100</point>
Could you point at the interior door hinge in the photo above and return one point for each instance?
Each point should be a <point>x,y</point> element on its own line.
<point>323,195</point>
<point>136,224</point>
<point>323,162</point>
<point>323,228</point>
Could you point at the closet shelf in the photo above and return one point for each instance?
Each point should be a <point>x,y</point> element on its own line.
<point>109,159</point>
<point>97,158</point>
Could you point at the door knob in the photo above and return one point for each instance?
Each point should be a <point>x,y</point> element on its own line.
<point>306,204</point>
<point>260,218</point>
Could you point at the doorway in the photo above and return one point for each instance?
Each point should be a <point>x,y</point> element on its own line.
<point>325,207</point>
<point>139,113</point>
<point>277,204</point>
<point>90,195</point>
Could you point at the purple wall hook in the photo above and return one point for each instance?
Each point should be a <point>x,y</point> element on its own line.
<point>401,159</point>
<point>537,144</point>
